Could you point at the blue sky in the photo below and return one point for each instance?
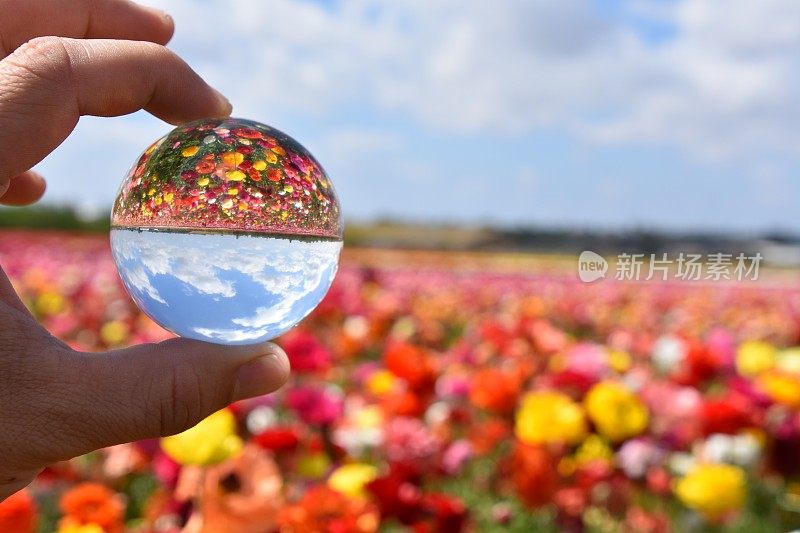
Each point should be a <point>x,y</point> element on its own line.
<point>598,114</point>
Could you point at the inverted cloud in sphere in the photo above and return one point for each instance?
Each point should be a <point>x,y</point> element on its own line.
<point>224,287</point>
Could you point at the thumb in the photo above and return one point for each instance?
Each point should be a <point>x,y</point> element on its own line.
<point>161,389</point>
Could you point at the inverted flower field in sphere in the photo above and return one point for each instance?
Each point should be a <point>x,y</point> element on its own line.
<point>227,230</point>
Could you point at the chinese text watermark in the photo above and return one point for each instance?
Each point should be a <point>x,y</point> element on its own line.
<point>678,266</point>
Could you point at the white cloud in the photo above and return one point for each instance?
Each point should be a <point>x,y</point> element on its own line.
<point>290,273</point>
<point>725,82</point>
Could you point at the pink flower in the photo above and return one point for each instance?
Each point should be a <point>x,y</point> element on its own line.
<point>315,405</point>
<point>456,455</point>
<point>306,352</point>
<point>637,456</point>
<point>409,440</point>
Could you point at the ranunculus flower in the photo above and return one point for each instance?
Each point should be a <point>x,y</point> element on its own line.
<point>782,388</point>
<point>211,441</point>
<point>755,357</point>
<point>549,416</point>
<point>92,504</point>
<point>350,479</point>
<point>315,405</point>
<point>616,412</point>
<point>18,513</point>
<point>306,353</point>
<point>494,390</point>
<point>278,439</point>
<point>713,490</point>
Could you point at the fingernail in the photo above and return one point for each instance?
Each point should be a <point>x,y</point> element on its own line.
<point>262,376</point>
<point>162,14</point>
<point>224,103</point>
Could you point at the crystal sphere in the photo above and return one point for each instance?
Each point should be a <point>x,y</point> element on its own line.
<point>226,231</point>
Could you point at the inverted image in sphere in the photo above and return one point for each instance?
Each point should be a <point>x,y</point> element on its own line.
<point>227,231</point>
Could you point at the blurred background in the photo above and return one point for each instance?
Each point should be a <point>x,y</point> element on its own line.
<point>459,376</point>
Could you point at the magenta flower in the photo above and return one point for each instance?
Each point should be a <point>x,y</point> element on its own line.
<point>315,405</point>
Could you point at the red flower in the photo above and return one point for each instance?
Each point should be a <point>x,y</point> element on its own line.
<point>306,352</point>
<point>727,414</point>
<point>278,439</point>
<point>18,513</point>
<point>397,495</point>
<point>448,514</point>
<point>533,471</point>
<point>274,174</point>
<point>248,133</point>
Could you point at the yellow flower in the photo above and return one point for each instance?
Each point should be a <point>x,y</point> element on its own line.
<point>381,382</point>
<point>713,489</point>
<point>50,303</point>
<point>235,175</point>
<point>259,165</point>
<point>211,441</point>
<point>151,191</point>
<point>618,360</point>
<point>370,416</point>
<point>616,412</point>
<point>168,197</point>
<point>272,158</point>
<point>189,151</point>
<point>782,388</point>
<point>788,360</point>
<point>594,448</point>
<point>71,527</point>
<point>232,158</point>
<point>755,357</point>
<point>313,465</point>
<point>350,479</point>
<point>549,416</point>
<point>114,332</point>
<point>242,206</point>
<point>203,181</point>
<point>233,191</point>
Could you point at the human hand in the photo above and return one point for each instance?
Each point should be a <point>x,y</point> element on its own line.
<point>102,58</point>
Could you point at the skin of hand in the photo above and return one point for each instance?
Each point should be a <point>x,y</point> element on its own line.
<point>62,59</point>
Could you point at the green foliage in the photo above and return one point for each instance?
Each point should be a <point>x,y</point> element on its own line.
<point>51,217</point>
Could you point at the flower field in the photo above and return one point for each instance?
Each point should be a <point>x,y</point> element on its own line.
<point>436,392</point>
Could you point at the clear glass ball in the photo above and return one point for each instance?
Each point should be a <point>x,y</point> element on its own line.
<point>226,231</point>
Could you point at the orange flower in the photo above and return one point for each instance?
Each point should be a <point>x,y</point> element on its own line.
<point>240,495</point>
<point>324,509</point>
<point>232,158</point>
<point>18,513</point>
<point>410,363</point>
<point>494,390</point>
<point>205,167</point>
<point>274,174</point>
<point>255,175</point>
<point>92,503</point>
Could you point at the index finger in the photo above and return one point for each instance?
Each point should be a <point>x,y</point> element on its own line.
<point>23,20</point>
